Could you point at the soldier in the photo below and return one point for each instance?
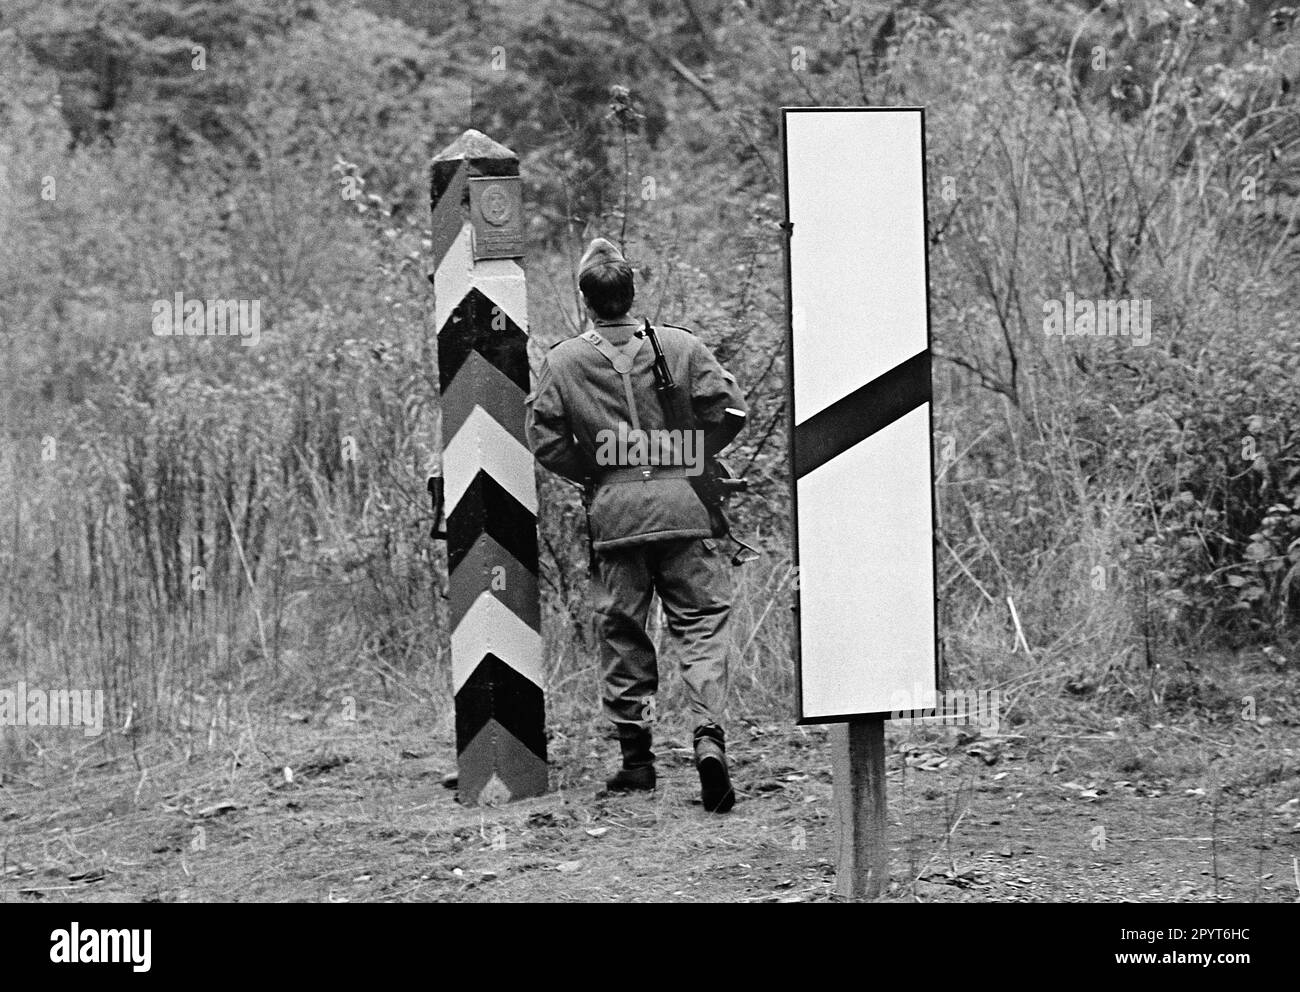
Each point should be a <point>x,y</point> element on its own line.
<point>650,532</point>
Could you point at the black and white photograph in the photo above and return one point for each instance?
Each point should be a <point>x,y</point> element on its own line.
<point>649,451</point>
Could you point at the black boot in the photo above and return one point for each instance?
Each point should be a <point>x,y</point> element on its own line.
<point>638,771</point>
<point>711,763</point>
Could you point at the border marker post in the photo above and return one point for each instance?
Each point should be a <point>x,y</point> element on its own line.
<point>488,488</point>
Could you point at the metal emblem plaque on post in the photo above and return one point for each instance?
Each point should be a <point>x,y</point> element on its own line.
<point>496,211</point>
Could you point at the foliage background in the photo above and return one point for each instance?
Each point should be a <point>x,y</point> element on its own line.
<point>1138,505</point>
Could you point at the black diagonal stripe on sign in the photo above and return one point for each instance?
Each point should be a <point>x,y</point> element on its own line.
<point>495,691</point>
<point>469,328</point>
<point>864,411</point>
<point>486,508</point>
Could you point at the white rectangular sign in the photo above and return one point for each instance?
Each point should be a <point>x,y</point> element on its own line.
<point>858,374</point>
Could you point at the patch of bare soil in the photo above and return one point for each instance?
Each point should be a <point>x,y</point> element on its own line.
<point>1187,810</point>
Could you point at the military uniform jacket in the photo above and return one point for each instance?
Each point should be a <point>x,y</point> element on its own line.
<point>578,394</point>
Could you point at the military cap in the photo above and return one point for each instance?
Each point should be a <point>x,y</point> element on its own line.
<point>599,252</point>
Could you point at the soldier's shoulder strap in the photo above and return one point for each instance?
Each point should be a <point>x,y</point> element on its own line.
<point>619,357</point>
<point>676,342</point>
<point>725,374</point>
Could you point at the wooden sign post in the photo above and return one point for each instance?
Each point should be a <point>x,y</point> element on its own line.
<point>858,770</point>
<point>862,486</point>
<point>488,485</point>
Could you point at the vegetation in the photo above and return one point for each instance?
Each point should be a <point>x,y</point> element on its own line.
<point>207,530</point>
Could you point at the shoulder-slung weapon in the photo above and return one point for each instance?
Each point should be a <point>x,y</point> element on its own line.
<point>717,483</point>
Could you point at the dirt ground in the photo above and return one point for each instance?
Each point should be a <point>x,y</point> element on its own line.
<point>1192,806</point>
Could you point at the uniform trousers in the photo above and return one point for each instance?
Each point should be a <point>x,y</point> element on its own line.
<point>689,576</point>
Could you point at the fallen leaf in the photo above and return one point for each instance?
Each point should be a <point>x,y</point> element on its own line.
<point>216,810</point>
<point>989,756</point>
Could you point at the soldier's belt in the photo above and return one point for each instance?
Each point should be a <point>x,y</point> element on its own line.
<point>643,474</point>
